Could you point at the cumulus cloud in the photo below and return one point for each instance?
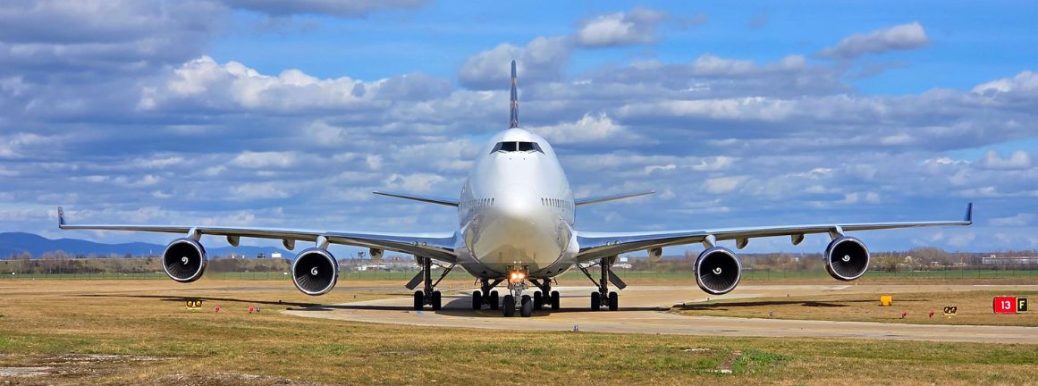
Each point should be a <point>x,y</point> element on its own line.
<point>39,37</point>
<point>587,129</point>
<point>637,26</point>
<point>542,59</point>
<point>728,140</point>
<point>1018,160</point>
<point>341,8</point>
<point>897,38</point>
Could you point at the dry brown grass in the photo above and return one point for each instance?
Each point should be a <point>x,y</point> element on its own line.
<point>63,325</point>
<point>973,307</point>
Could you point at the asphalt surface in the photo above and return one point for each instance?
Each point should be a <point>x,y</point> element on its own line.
<point>643,311</point>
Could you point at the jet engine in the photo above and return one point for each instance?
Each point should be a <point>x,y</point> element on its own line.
<point>184,260</point>
<point>315,271</point>
<point>846,258</point>
<point>717,271</point>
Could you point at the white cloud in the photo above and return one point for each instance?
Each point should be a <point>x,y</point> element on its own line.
<point>542,59</point>
<point>721,185</point>
<point>900,37</point>
<point>1017,220</point>
<point>589,128</point>
<point>259,191</point>
<point>1018,160</point>
<point>1023,84</point>
<point>637,26</point>
<point>261,160</point>
<point>341,8</point>
<point>417,182</point>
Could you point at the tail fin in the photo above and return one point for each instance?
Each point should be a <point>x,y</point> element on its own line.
<point>514,120</point>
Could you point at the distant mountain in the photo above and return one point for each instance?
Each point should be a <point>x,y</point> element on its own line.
<point>13,243</point>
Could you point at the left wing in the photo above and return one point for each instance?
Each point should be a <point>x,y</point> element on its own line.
<point>596,245</point>
<point>436,246</point>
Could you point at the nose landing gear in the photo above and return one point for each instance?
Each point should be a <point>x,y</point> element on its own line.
<point>516,285</point>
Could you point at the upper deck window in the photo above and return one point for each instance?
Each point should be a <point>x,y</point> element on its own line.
<point>517,146</point>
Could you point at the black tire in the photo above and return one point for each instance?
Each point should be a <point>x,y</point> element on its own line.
<point>526,310</point>
<point>477,300</point>
<point>525,299</point>
<point>596,301</point>
<point>538,300</point>
<point>554,300</point>
<point>614,301</point>
<point>419,300</point>
<point>436,305</point>
<point>495,302</point>
<point>508,306</point>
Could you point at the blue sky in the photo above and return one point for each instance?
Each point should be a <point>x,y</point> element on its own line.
<point>287,114</point>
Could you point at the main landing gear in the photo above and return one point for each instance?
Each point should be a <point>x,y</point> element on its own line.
<point>486,295</point>
<point>603,297</point>
<point>545,296</point>
<point>427,295</point>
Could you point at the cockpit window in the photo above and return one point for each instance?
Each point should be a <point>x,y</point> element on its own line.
<point>517,146</point>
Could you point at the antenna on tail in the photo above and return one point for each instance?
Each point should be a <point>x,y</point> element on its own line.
<point>513,122</point>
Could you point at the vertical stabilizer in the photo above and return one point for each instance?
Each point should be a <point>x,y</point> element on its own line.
<point>513,121</point>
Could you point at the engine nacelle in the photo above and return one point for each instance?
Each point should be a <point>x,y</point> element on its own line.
<point>315,271</point>
<point>846,258</point>
<point>717,270</point>
<point>184,260</point>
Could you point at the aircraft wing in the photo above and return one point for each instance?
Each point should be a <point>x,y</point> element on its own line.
<point>436,246</point>
<point>596,245</point>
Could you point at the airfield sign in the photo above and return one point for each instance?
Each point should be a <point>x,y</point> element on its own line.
<point>1004,304</point>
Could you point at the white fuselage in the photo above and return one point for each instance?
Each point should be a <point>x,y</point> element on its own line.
<point>516,210</point>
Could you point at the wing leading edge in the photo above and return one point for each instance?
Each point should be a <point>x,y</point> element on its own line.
<point>436,246</point>
<point>595,245</point>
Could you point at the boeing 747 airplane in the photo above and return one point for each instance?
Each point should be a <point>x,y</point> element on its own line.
<point>516,226</point>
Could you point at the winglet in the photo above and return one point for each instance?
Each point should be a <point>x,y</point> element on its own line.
<point>969,213</point>
<point>61,217</point>
<point>513,121</point>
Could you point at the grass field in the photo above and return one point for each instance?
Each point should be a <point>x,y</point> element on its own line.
<point>140,332</point>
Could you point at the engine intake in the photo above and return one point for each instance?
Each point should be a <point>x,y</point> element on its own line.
<point>846,258</point>
<point>718,271</point>
<point>184,260</point>
<point>315,271</point>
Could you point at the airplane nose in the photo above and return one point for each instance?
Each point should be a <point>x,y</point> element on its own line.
<point>516,209</point>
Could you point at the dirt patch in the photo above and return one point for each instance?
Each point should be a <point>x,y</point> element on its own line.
<point>68,367</point>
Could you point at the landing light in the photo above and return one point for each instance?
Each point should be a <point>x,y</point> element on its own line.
<point>516,277</point>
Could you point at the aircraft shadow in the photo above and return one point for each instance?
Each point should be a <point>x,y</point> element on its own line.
<point>458,306</point>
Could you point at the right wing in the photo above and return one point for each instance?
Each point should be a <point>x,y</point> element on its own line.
<point>596,245</point>
<point>436,246</point>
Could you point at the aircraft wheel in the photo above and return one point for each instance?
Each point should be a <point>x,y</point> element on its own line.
<point>538,300</point>
<point>596,301</point>
<point>525,299</point>
<point>526,310</point>
<point>508,306</point>
<point>554,300</point>
<point>614,301</point>
<point>477,300</point>
<point>494,301</point>
<point>436,305</point>
<point>419,300</point>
